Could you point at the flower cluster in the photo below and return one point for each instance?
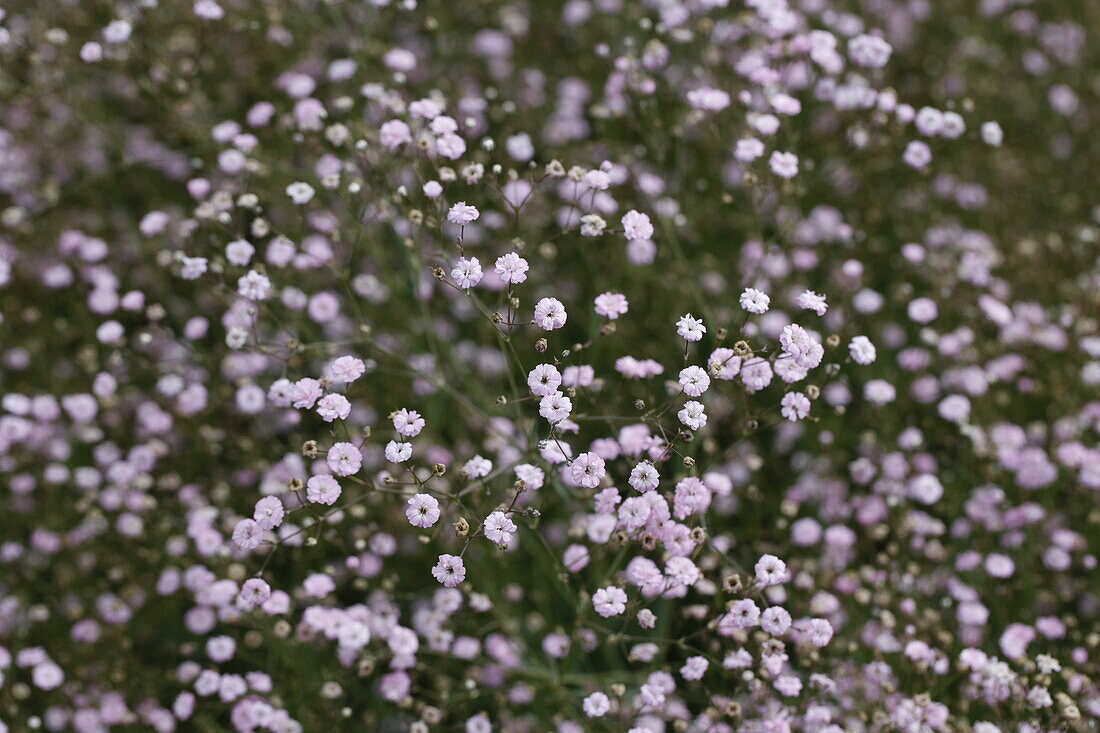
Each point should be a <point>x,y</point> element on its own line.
<point>611,366</point>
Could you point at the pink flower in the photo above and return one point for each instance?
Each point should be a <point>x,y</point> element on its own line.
<point>422,510</point>
<point>644,477</point>
<point>512,268</point>
<point>555,407</point>
<point>322,489</point>
<point>247,534</point>
<point>333,407</point>
<point>394,133</point>
<point>450,570</point>
<point>462,214</point>
<point>611,305</point>
<point>809,300</point>
<point>795,406</point>
<point>636,225</point>
<point>775,620</point>
<point>784,165</point>
<point>408,422</point>
<point>347,369</point>
<point>550,314</point>
<point>596,705</point>
<point>268,512</point>
<point>770,570</point>
<point>755,301</point>
<point>544,380</point>
<point>398,452</point>
<point>588,470</point>
<point>609,601</point>
<point>694,381</point>
<point>344,459</point>
<point>499,528</point>
<point>692,415</point>
<point>798,344</point>
<point>466,272</point>
<point>690,328</point>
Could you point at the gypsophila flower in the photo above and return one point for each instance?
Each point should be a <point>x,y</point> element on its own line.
<point>755,301</point>
<point>449,571</point>
<point>300,193</point>
<point>596,705</point>
<point>247,534</point>
<point>611,305</point>
<point>555,407</point>
<point>477,467</point>
<point>499,528</point>
<point>690,328</point>
<point>597,179</point>
<point>784,165</point>
<point>408,422</point>
<point>694,668</point>
<point>799,345</point>
<point>550,314</point>
<point>450,146</point>
<point>322,489</point>
<point>592,225</point>
<point>544,380</point>
<point>347,369</point>
<point>692,415</point>
<point>770,570</point>
<point>239,252</point>
<point>992,135</point>
<point>795,406</point>
<point>775,620</point>
<point>532,476</point>
<point>862,350</point>
<point>609,601</point>
<point>268,513</point>
<point>512,268</point>
<point>587,470</point>
<point>809,300</point>
<point>422,510</point>
<point>466,272</point>
<point>398,452</point>
<point>869,51</point>
<point>917,155</point>
<point>333,407</point>
<point>636,226</point>
<point>742,614</point>
<point>254,286</point>
<point>644,477</point>
<point>192,268</point>
<point>394,133</point>
<point>344,459</point>
<point>694,381</point>
<point>713,100</point>
<point>748,149</point>
<point>462,214</point>
<point>254,592</point>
